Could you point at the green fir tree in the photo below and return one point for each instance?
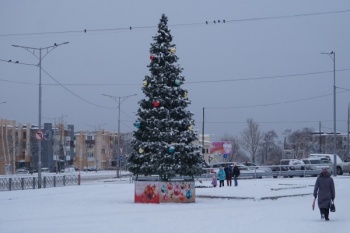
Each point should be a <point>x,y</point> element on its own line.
<point>163,142</point>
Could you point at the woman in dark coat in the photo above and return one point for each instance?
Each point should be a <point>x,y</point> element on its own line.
<point>228,172</point>
<point>236,172</point>
<point>324,189</point>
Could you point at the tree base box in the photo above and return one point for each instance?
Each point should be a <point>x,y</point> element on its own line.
<point>164,192</point>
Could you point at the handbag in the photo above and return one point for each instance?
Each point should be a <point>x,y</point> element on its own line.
<point>332,207</point>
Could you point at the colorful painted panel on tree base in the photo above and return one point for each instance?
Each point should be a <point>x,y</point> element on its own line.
<point>164,192</point>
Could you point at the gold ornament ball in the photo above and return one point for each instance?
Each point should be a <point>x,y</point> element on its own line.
<point>145,83</point>
<point>141,151</point>
<point>172,50</point>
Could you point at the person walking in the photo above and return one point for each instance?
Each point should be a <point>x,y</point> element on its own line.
<point>221,176</point>
<point>325,192</point>
<point>236,172</point>
<point>228,172</point>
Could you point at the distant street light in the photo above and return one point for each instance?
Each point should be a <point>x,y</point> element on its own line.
<point>332,56</point>
<point>120,100</point>
<point>47,50</point>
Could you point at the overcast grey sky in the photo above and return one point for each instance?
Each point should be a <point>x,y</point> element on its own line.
<point>259,64</point>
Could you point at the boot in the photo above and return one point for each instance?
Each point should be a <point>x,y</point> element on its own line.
<point>326,215</point>
<point>322,213</point>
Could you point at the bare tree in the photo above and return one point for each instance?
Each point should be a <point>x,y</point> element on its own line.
<point>267,145</point>
<point>251,138</point>
<point>301,142</point>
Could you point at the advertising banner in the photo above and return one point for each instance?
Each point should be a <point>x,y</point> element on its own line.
<point>222,147</point>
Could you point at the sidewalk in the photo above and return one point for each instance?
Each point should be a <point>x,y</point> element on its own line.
<point>257,189</point>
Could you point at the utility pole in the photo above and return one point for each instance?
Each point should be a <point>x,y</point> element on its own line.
<point>40,57</point>
<point>347,133</point>
<point>332,56</point>
<point>120,100</point>
<point>203,132</point>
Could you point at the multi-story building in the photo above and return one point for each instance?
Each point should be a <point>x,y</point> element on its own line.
<point>7,146</point>
<point>61,147</point>
<point>19,147</point>
<point>98,150</point>
<point>206,144</point>
<point>324,143</point>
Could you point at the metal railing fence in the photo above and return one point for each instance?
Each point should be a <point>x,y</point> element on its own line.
<point>31,182</point>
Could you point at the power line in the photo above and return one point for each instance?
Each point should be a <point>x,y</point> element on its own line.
<point>17,62</point>
<point>18,82</point>
<point>266,122</point>
<point>73,92</point>
<point>267,77</point>
<point>129,28</point>
<point>198,82</point>
<point>288,16</point>
<point>272,104</point>
<point>227,80</point>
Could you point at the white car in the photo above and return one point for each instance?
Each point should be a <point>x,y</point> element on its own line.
<point>251,172</point>
<point>315,164</point>
<point>250,164</point>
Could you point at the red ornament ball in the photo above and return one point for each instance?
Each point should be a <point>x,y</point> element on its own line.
<point>151,57</point>
<point>156,103</point>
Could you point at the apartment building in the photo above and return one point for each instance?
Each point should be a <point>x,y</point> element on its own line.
<point>19,147</point>
<point>97,150</point>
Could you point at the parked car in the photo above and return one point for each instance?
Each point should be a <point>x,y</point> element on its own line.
<point>68,169</point>
<point>251,172</point>
<point>289,165</point>
<point>250,164</point>
<point>93,168</point>
<point>293,164</point>
<point>22,171</point>
<point>315,164</point>
<point>45,169</point>
<point>341,165</point>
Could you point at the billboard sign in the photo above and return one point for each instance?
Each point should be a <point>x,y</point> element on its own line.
<point>221,149</point>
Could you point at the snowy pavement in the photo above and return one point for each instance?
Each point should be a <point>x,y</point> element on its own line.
<point>108,206</point>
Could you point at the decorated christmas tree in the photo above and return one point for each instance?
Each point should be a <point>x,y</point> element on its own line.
<point>164,137</point>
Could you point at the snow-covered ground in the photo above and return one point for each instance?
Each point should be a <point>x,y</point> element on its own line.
<point>108,206</point>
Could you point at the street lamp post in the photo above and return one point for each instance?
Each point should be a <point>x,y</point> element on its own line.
<point>120,100</point>
<point>46,50</point>
<point>332,56</point>
<point>347,133</point>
